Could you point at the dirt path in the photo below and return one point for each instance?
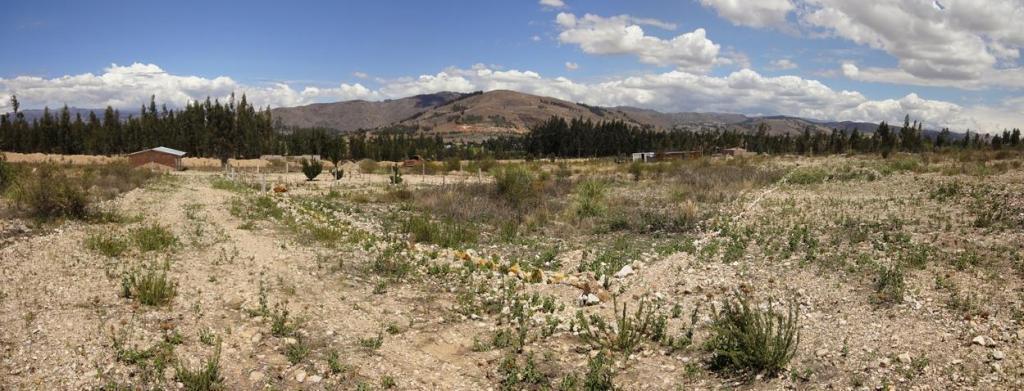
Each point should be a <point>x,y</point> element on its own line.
<point>64,341</point>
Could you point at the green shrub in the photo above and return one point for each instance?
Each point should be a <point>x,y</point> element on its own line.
<point>49,193</point>
<point>750,339</point>
<point>7,173</point>
<point>599,374</point>
<point>452,164</point>
<point>447,233</point>
<point>636,169</point>
<point>150,288</point>
<point>107,244</point>
<point>629,329</point>
<point>889,285</point>
<point>516,376</point>
<point>396,175</point>
<point>590,198</point>
<point>808,175</point>
<point>312,168</point>
<point>206,378</point>
<point>515,185</point>
<point>297,351</point>
<point>392,262</point>
<point>153,237</point>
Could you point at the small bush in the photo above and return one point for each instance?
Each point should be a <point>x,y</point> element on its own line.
<point>392,263</point>
<point>367,166</point>
<point>150,288</point>
<point>515,376</point>
<point>446,233</point>
<point>107,244</point>
<point>49,193</point>
<point>206,378</point>
<point>297,351</point>
<point>452,164</point>
<point>599,374</point>
<point>153,238</point>
<point>312,168</point>
<point>515,185</point>
<point>627,333</point>
<point>590,198</point>
<point>7,173</point>
<point>750,339</point>
<point>889,285</point>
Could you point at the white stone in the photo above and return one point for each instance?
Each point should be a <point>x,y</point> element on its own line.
<point>998,355</point>
<point>979,340</point>
<point>626,271</point>
<point>904,358</point>
<point>256,376</point>
<point>300,376</point>
<point>589,299</point>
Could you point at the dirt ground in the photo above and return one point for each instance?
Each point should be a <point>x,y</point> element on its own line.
<point>816,244</point>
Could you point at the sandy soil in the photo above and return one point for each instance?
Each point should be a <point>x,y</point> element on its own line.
<point>60,306</point>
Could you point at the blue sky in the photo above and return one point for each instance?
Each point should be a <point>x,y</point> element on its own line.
<point>820,58</point>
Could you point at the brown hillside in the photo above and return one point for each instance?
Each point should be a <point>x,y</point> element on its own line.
<point>505,111</point>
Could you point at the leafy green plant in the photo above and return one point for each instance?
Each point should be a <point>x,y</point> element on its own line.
<point>296,352</point>
<point>750,339</point>
<point>599,374</point>
<point>628,331</point>
<point>153,237</point>
<point>516,376</point>
<point>311,168</point>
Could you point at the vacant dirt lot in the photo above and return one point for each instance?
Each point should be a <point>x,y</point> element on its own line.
<point>904,273</point>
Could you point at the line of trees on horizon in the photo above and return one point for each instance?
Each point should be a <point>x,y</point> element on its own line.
<point>240,130</point>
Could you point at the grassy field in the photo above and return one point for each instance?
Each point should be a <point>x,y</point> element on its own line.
<point>845,272</point>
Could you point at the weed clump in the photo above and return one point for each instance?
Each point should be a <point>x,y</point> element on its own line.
<point>151,288</point>
<point>107,244</point>
<point>447,233</point>
<point>49,193</point>
<point>154,237</point>
<point>890,285</point>
<point>515,185</point>
<point>750,339</point>
<point>205,378</point>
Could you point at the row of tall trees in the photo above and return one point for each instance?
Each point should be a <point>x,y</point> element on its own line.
<point>583,138</point>
<point>237,129</point>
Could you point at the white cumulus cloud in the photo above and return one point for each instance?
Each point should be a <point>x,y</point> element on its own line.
<point>782,64</point>
<point>743,91</point>
<point>753,13</point>
<point>571,66</point>
<point>623,35</point>
<point>553,3</point>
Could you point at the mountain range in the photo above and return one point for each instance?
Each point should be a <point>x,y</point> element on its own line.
<point>479,115</point>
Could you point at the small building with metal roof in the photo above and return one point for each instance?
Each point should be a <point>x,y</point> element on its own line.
<point>159,156</point>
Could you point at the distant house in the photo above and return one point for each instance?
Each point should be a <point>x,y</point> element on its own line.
<point>162,156</point>
<point>643,157</point>
<point>664,156</point>
<point>734,151</point>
